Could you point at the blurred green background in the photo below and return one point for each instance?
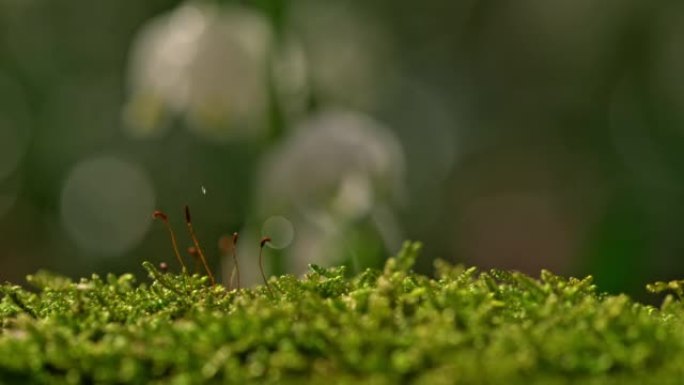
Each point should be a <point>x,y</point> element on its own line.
<point>525,135</point>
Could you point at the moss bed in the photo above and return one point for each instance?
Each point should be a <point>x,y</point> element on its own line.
<point>379,327</point>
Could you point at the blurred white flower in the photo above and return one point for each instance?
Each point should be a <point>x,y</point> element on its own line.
<point>290,74</point>
<point>206,63</point>
<point>347,51</point>
<point>337,161</point>
<point>336,169</point>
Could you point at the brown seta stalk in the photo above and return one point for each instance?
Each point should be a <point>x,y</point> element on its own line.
<point>157,214</point>
<point>192,250</point>
<point>188,221</point>
<point>263,242</point>
<point>235,261</point>
<point>226,245</point>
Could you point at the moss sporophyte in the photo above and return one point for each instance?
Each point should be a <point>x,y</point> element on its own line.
<point>197,254</point>
<point>389,326</point>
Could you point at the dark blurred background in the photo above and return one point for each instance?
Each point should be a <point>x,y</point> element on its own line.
<point>524,135</point>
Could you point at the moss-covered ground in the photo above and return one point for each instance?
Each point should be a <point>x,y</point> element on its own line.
<point>379,327</point>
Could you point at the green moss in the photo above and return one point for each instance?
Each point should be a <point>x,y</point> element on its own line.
<point>385,327</point>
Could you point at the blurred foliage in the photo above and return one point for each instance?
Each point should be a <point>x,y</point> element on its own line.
<point>535,134</point>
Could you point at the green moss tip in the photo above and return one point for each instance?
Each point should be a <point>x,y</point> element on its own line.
<point>384,326</point>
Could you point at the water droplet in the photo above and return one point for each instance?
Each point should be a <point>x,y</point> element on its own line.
<point>204,190</point>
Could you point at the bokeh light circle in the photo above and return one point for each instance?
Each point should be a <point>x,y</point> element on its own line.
<point>106,204</point>
<point>280,230</point>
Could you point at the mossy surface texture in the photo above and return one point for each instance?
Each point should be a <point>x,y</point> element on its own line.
<point>386,327</point>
